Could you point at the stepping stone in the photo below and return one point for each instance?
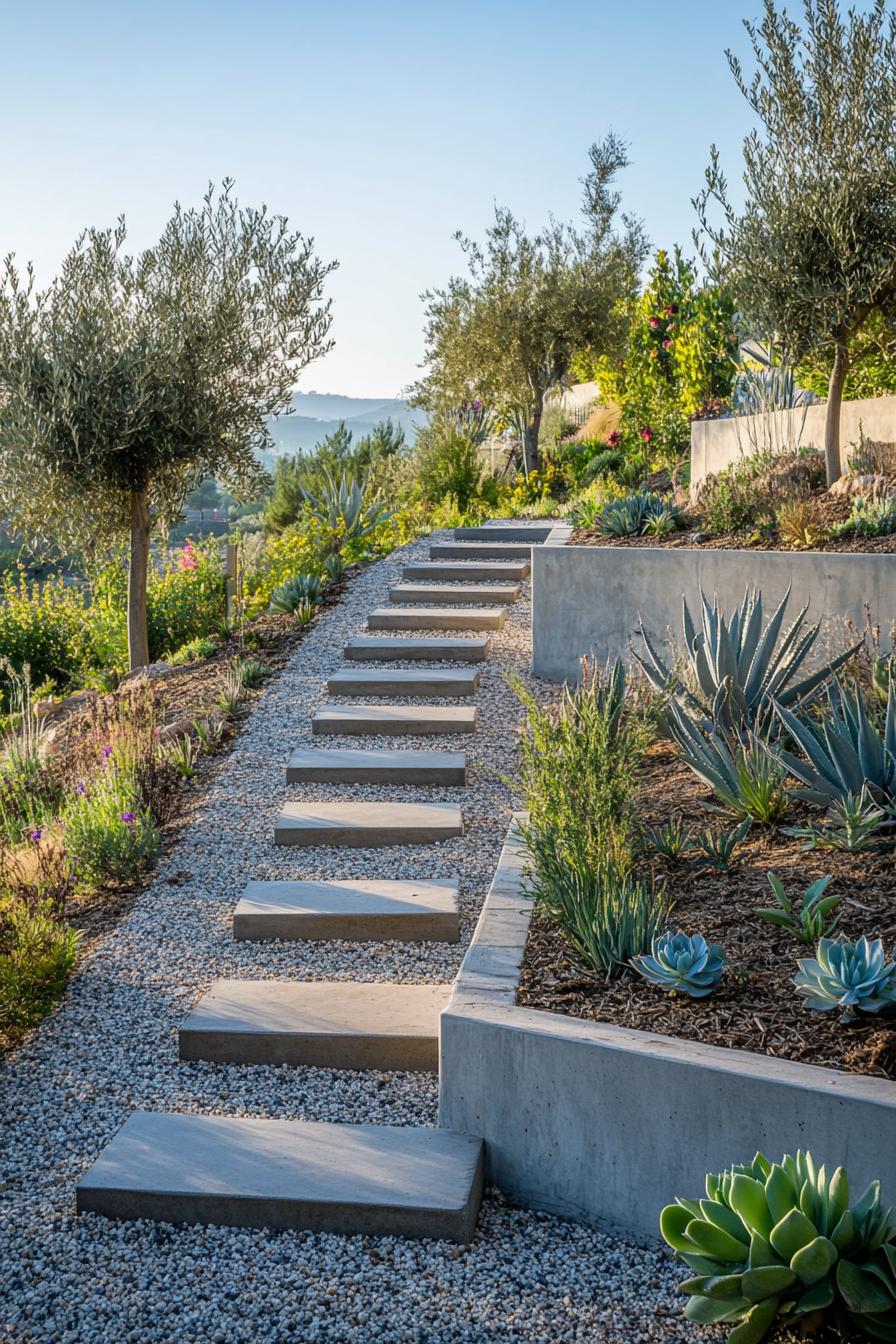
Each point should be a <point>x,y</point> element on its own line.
<point>356,765</point>
<point>470,571</point>
<point>395,720</point>
<point>437,618</point>
<point>480,550</point>
<point>379,1180</point>
<point>355,910</point>
<point>406,683</point>
<point>369,649</point>
<point>452,594</point>
<point>339,1024</point>
<point>366,825</point>
<point>532,534</point>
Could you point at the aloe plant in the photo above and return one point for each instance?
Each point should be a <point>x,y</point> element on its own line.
<point>845,752</point>
<point>811,918</point>
<point>781,1243</point>
<point>852,824</point>
<point>741,663</point>
<point>681,964</point>
<point>851,976</point>
<point>343,508</point>
<point>717,849</point>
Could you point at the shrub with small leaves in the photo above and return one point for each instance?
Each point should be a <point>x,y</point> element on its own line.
<point>808,921</point>
<point>193,652</point>
<point>109,833</point>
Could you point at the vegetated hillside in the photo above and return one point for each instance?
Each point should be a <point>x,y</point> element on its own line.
<point>319,413</point>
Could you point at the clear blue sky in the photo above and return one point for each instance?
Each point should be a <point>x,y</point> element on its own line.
<point>379,128</point>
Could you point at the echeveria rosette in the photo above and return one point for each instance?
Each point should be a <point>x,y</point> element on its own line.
<point>851,976</point>
<point>682,964</point>
<point>780,1242</point>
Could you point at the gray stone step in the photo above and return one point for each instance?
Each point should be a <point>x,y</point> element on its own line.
<point>470,571</point>
<point>356,910</point>
<point>437,618</point>
<point>339,1024</point>
<point>394,720</point>
<point>370,649</point>
<point>404,683</point>
<point>302,1174</point>
<point>533,534</point>
<point>359,765</point>
<point>454,594</point>
<point>366,825</point>
<point>480,550</point>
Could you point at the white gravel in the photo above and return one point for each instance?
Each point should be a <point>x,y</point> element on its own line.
<point>112,1048</point>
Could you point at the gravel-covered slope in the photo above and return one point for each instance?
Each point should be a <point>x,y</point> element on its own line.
<point>112,1048</point>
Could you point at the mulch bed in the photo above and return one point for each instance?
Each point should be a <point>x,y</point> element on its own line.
<point>755,1007</point>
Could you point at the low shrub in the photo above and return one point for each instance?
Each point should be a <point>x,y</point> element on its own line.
<point>30,786</point>
<point>108,830</point>
<point>194,651</point>
<point>37,948</point>
<point>869,518</point>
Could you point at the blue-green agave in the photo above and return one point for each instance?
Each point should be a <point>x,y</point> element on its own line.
<point>846,754</point>
<point>740,664</point>
<point>780,1242</point>
<point>303,588</point>
<point>635,514</point>
<point>682,964</point>
<point>850,976</point>
<point>344,508</point>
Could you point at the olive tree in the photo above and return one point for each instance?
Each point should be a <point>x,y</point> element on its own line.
<point>506,333</point>
<point>811,254</point>
<point>132,378</point>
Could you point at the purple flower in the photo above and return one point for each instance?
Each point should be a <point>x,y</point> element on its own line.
<point>107,752</point>
<point>129,817</point>
<point>79,788</point>
<point>36,834</point>
<point>476,405</point>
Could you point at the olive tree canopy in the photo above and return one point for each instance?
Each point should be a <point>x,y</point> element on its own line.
<point>811,254</point>
<point>507,332</point>
<point>131,378</point>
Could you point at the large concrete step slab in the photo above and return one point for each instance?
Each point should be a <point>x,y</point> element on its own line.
<point>480,550</point>
<point>533,534</point>
<point>308,1175</point>
<point>356,910</point>
<point>469,571</point>
<point>357,765</point>
<point>335,1024</point>
<point>455,594</point>
<point>437,618</point>
<point>405,682</point>
<point>394,720</point>
<point>373,649</point>
<point>366,825</point>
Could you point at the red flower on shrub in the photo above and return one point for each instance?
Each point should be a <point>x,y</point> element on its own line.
<point>614,438</point>
<point>655,324</point>
<point>646,434</point>
<point>667,343</point>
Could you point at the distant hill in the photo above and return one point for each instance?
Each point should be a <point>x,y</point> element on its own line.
<point>318,414</point>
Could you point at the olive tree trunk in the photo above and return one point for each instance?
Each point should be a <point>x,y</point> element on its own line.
<point>531,460</point>
<point>138,633</point>
<point>832,414</point>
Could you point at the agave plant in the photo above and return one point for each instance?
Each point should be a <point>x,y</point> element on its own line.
<point>671,840</point>
<point>334,566</point>
<point>740,664</point>
<point>747,780</point>
<point>303,588</point>
<point>681,964</point>
<point>851,976</point>
<point>343,508</point>
<point>852,824</point>
<point>633,515</point>
<point>780,1242</point>
<point>717,849</point>
<point>846,753</point>
<point>810,919</point>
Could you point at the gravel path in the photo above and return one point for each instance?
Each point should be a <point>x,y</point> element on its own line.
<point>112,1048</point>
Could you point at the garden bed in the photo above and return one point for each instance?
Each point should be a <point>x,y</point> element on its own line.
<point>756,1006</point>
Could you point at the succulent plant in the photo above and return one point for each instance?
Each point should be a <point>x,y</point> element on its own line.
<point>746,779</point>
<point>852,824</point>
<point>780,1242</point>
<point>671,840</point>
<point>334,566</point>
<point>632,515</point>
<point>808,921</point>
<point>682,964</point>
<point>343,508</point>
<point>717,849</point>
<point>851,976</point>
<point>846,753</point>
<point>291,594</point>
<point>740,664</point>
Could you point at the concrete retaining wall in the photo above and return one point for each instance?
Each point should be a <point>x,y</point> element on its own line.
<point>715,444</point>
<point>606,1125</point>
<point>588,599</point>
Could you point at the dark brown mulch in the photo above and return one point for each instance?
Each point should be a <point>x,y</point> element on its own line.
<point>756,1006</point>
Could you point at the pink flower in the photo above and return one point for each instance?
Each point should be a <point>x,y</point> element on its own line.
<point>655,324</point>
<point>646,434</point>
<point>667,343</point>
<point>188,558</point>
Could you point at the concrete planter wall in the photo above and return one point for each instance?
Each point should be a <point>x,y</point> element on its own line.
<point>715,444</point>
<point>588,599</point>
<point>606,1125</point>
